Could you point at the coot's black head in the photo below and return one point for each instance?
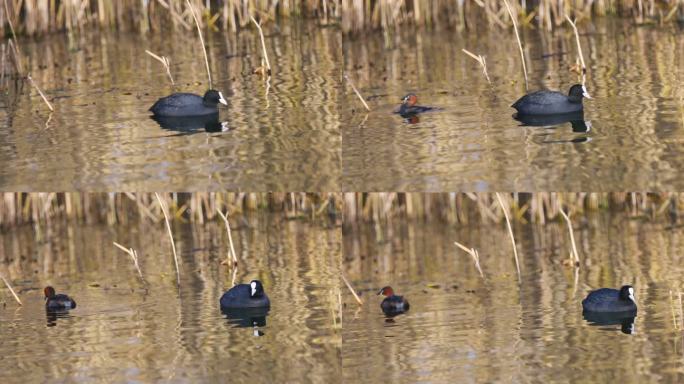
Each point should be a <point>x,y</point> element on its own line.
<point>627,293</point>
<point>257,288</point>
<point>576,93</point>
<point>213,98</point>
<point>411,99</point>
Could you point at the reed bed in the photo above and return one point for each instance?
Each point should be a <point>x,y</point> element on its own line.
<point>122,208</point>
<point>32,17</point>
<point>466,208</point>
<point>359,15</point>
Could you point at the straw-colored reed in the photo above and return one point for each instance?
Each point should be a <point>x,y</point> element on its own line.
<point>33,17</point>
<point>120,208</point>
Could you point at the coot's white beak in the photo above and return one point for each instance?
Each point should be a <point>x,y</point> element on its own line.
<point>585,93</point>
<point>222,100</point>
<point>631,295</point>
<point>253,286</point>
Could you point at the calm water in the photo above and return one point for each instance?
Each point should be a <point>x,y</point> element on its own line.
<point>100,136</point>
<point>463,329</point>
<point>636,117</point>
<point>127,331</point>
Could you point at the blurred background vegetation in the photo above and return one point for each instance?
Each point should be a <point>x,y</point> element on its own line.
<point>539,207</point>
<point>32,17</point>
<point>121,208</point>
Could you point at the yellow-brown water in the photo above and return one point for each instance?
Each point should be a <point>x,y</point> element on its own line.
<point>282,136</point>
<point>636,116</point>
<point>127,330</point>
<point>461,328</point>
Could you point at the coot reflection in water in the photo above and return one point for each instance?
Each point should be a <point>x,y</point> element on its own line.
<point>246,318</point>
<point>576,120</point>
<point>192,124</point>
<point>624,319</point>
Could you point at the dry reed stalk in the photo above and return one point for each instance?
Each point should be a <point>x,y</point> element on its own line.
<point>517,36</point>
<point>263,44</point>
<point>579,48</point>
<point>11,290</point>
<point>14,38</point>
<point>357,92</point>
<point>672,309</point>
<point>572,238</point>
<point>133,254</point>
<point>510,232</point>
<point>40,92</point>
<point>339,298</point>
<point>358,300</point>
<point>234,276</point>
<point>681,310</point>
<point>199,32</point>
<point>474,254</point>
<point>165,61</point>
<point>173,244</point>
<point>480,59</point>
<point>230,237</point>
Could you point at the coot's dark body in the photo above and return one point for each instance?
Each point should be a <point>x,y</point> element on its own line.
<point>245,296</point>
<point>610,300</point>
<point>57,302</point>
<point>188,104</point>
<point>552,102</point>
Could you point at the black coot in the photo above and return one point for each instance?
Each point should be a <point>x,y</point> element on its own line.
<point>245,296</point>
<point>611,300</point>
<point>188,104</point>
<point>551,102</point>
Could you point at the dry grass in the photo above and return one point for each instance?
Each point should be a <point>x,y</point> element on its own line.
<point>11,290</point>
<point>263,45</point>
<point>470,208</point>
<point>199,32</point>
<point>480,59</point>
<point>517,37</point>
<point>231,252</point>
<point>358,94</point>
<point>32,17</point>
<point>28,77</point>
<point>474,254</point>
<point>575,255</point>
<point>173,243</point>
<point>134,256</point>
<point>123,208</point>
<point>510,232</point>
<point>165,62</point>
<point>358,299</point>
<point>388,15</point>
